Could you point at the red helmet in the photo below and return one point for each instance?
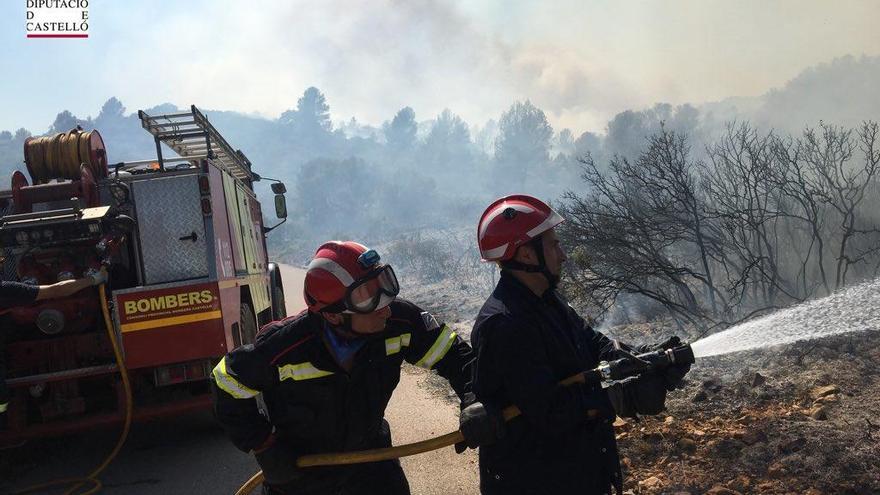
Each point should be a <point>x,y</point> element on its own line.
<point>346,277</point>
<point>510,222</point>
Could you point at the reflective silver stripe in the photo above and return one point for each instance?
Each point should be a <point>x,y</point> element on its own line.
<point>394,344</point>
<point>499,209</point>
<point>439,349</point>
<point>333,267</point>
<point>229,384</point>
<point>3,407</point>
<point>552,221</point>
<point>494,252</point>
<point>301,371</point>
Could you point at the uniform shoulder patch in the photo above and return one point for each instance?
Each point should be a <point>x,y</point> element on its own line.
<point>429,321</point>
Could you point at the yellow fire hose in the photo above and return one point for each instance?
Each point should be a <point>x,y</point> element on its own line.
<point>384,454</point>
<point>92,478</point>
<point>60,156</point>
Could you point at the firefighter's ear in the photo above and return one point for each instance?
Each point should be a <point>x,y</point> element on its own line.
<point>333,318</point>
<point>526,254</point>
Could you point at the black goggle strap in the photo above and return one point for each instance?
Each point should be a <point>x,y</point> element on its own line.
<point>337,307</point>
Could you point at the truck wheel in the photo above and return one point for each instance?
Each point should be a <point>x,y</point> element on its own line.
<point>248,324</point>
<point>280,307</point>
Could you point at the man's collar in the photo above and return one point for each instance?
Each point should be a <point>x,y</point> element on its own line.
<point>510,280</point>
<point>550,296</point>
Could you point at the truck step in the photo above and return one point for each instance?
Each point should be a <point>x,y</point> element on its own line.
<point>57,376</point>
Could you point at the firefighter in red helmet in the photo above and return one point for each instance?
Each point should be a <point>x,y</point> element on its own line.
<point>527,339</point>
<point>326,376</point>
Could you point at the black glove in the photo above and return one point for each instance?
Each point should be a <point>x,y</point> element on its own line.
<point>480,426</point>
<point>278,463</point>
<point>645,394</point>
<point>673,375</point>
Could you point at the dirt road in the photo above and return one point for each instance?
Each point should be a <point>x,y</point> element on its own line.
<point>416,412</point>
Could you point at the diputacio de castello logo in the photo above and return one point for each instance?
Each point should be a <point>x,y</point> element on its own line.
<point>57,18</point>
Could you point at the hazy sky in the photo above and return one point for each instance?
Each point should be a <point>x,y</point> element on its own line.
<point>581,61</point>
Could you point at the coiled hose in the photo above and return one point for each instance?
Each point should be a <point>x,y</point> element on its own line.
<point>60,156</point>
<point>92,478</point>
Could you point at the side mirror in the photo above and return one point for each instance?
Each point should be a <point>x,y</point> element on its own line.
<point>280,204</point>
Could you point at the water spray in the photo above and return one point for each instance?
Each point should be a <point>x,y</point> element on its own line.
<point>851,310</point>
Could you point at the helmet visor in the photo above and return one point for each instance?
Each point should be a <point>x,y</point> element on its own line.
<point>374,291</point>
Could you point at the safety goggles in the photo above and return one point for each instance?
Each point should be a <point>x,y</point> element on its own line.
<point>373,291</point>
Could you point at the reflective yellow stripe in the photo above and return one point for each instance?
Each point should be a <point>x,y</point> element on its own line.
<point>394,344</point>
<point>301,371</point>
<point>174,320</point>
<point>439,349</point>
<point>229,384</point>
<point>3,407</point>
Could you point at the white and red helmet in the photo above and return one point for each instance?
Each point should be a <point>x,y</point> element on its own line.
<point>347,277</point>
<point>512,221</point>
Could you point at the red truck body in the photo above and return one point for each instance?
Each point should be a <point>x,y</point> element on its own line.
<point>189,281</point>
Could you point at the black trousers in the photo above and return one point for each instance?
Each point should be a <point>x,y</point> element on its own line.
<point>562,478</point>
<point>375,478</point>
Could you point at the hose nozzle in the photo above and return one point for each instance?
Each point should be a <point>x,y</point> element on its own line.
<point>633,365</point>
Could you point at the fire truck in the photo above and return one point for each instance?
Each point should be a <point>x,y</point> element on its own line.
<point>183,241</point>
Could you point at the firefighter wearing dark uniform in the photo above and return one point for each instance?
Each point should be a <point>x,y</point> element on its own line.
<point>326,376</point>
<point>17,294</point>
<point>11,294</point>
<point>527,339</point>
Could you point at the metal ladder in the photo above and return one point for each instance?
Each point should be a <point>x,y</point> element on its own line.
<point>190,135</point>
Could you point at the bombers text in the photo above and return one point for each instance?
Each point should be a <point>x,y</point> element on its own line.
<point>171,301</point>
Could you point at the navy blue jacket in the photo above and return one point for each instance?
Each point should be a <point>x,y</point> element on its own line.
<point>525,345</point>
<point>15,293</point>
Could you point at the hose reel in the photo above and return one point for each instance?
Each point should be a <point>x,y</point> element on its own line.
<point>60,156</point>
<point>74,160</point>
<point>84,186</point>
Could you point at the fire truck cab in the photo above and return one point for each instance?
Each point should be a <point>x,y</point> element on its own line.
<point>189,279</point>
